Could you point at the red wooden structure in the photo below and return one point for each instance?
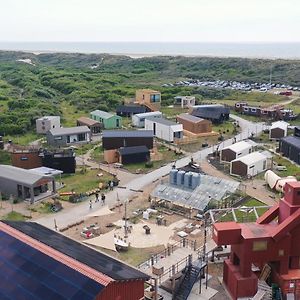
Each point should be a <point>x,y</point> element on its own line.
<point>273,239</point>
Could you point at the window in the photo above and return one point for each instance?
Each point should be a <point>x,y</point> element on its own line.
<point>253,109</point>
<point>237,105</point>
<point>23,158</point>
<point>264,164</point>
<point>246,109</point>
<point>81,137</point>
<point>155,98</point>
<point>251,167</point>
<point>260,246</point>
<point>58,138</point>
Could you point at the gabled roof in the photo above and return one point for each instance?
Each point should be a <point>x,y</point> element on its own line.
<point>280,124</point>
<point>127,133</point>
<point>212,111</point>
<point>292,140</point>
<point>251,158</point>
<point>149,114</point>
<point>162,121</point>
<point>239,146</point>
<point>69,130</point>
<point>98,261</point>
<point>190,118</point>
<point>20,175</point>
<point>88,121</point>
<point>102,114</point>
<point>135,109</point>
<point>133,150</point>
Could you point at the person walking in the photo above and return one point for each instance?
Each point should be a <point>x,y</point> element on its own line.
<point>97,197</point>
<point>103,198</point>
<point>111,185</point>
<point>91,204</point>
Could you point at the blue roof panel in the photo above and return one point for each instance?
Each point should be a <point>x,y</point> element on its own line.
<point>27,273</point>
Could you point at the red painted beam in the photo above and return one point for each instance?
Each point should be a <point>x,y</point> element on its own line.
<point>286,226</point>
<point>269,215</point>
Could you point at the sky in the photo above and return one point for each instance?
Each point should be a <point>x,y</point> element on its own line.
<point>150,20</point>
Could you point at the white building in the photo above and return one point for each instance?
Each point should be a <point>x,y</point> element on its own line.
<point>236,150</point>
<point>249,165</point>
<point>278,130</point>
<point>138,120</point>
<point>164,129</point>
<point>44,124</point>
<point>185,101</point>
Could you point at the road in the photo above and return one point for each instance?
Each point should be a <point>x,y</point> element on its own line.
<point>71,215</point>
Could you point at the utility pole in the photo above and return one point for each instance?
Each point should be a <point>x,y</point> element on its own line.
<point>270,74</point>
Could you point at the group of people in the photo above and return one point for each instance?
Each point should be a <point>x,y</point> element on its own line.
<point>97,199</point>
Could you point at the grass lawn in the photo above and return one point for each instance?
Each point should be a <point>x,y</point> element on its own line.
<point>81,182</point>
<point>24,139</point>
<point>292,169</point>
<point>243,216</point>
<point>97,155</point>
<point>83,149</point>
<point>14,216</point>
<point>5,158</point>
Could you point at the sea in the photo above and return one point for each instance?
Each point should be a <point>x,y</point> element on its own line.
<point>145,49</point>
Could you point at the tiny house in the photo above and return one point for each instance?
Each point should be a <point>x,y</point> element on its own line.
<point>194,124</point>
<point>236,150</point>
<point>164,129</point>
<point>108,121</point>
<point>138,120</point>
<point>278,130</point>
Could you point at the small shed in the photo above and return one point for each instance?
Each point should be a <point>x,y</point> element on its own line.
<point>236,150</point>
<point>138,120</point>
<point>93,125</point>
<point>278,130</point>
<point>130,110</point>
<point>249,165</point>
<point>129,155</point>
<point>108,120</point>
<point>289,146</point>
<point>194,124</point>
<point>164,129</point>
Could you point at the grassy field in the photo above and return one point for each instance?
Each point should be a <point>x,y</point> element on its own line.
<point>5,158</point>
<point>23,139</point>
<point>14,216</point>
<point>292,169</point>
<point>82,181</point>
<point>242,215</point>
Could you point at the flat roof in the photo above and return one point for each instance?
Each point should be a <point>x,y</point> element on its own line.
<point>162,121</point>
<point>133,150</point>
<point>88,121</point>
<point>69,130</point>
<point>239,146</point>
<point>46,171</point>
<point>148,91</point>
<point>48,118</point>
<point>149,114</point>
<point>102,114</point>
<point>96,260</point>
<point>127,133</point>
<point>21,175</point>
<point>251,158</point>
<point>190,118</point>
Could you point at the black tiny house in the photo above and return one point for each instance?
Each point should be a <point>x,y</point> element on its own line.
<point>290,147</point>
<point>216,113</point>
<point>129,110</point>
<point>63,160</point>
<point>138,154</point>
<point>115,139</point>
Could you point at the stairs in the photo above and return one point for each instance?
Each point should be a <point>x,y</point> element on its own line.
<point>191,274</point>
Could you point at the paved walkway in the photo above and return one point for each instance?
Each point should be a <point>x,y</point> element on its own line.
<point>137,183</point>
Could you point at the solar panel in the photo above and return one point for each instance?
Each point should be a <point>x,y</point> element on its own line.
<point>27,274</point>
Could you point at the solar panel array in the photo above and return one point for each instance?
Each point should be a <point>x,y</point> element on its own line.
<point>27,273</point>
